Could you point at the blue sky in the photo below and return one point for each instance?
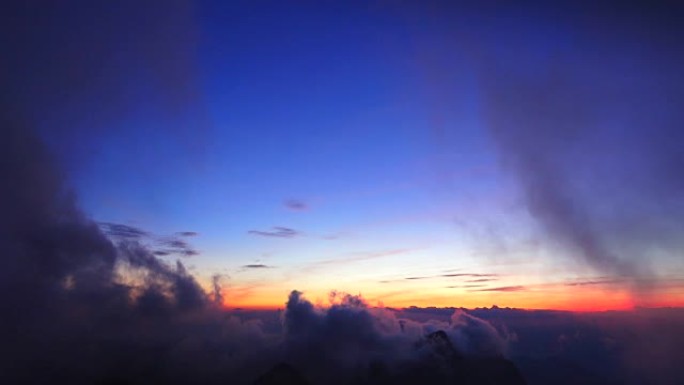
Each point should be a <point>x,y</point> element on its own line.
<point>387,142</point>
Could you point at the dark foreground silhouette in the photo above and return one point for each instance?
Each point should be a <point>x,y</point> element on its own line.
<point>442,364</point>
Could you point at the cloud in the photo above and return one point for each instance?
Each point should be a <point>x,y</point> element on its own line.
<point>277,232</point>
<point>494,277</point>
<point>469,275</point>
<point>589,135</point>
<point>82,307</point>
<point>504,288</point>
<point>257,266</point>
<point>163,245</point>
<point>122,231</point>
<point>187,233</point>
<point>343,343</point>
<point>175,245</point>
<point>595,282</point>
<point>364,256</point>
<point>296,205</point>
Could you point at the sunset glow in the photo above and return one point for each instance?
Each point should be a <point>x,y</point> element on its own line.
<point>342,192</point>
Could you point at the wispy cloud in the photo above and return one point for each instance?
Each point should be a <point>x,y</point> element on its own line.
<point>363,256</point>
<point>504,288</point>
<point>257,266</point>
<point>174,245</point>
<point>465,286</point>
<point>159,245</point>
<point>482,280</point>
<point>479,277</point>
<point>276,232</point>
<point>296,205</point>
<point>187,233</point>
<point>118,230</point>
<point>469,275</point>
<point>596,282</point>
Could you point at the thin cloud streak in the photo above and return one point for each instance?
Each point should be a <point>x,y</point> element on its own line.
<point>257,266</point>
<point>364,256</point>
<point>482,280</point>
<point>187,233</point>
<point>277,232</point>
<point>504,288</point>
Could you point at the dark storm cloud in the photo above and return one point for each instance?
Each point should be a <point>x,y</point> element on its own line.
<point>277,232</point>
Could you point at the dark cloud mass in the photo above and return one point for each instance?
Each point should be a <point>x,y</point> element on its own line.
<point>83,303</point>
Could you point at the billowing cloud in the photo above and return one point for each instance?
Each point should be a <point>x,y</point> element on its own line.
<point>110,311</point>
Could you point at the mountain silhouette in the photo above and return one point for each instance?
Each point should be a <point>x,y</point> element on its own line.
<point>438,362</point>
<point>282,374</point>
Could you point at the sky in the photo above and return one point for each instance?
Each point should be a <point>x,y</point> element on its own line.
<point>432,154</point>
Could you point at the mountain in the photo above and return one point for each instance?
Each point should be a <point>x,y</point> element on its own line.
<point>436,362</point>
<point>282,374</point>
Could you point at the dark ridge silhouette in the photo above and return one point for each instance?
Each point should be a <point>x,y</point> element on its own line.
<point>282,374</point>
<point>438,362</point>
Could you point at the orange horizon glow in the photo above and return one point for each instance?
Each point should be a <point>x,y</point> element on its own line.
<point>582,299</point>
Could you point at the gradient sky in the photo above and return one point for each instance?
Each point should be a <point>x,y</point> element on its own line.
<point>390,150</point>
